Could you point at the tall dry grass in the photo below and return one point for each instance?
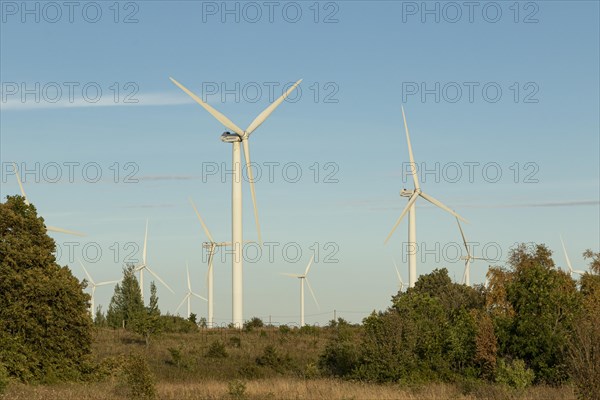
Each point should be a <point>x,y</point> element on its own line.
<point>282,388</point>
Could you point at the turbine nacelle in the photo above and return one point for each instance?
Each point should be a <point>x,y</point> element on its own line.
<point>228,137</point>
<point>406,192</point>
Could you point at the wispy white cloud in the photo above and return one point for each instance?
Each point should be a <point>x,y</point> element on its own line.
<point>143,100</point>
<point>375,205</point>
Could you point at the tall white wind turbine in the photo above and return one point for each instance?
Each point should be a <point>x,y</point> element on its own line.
<point>48,228</point>
<point>94,285</point>
<point>189,294</point>
<point>239,136</point>
<point>303,279</point>
<point>410,209</point>
<point>468,258</point>
<point>571,270</point>
<point>211,246</point>
<point>144,266</point>
<point>401,284</point>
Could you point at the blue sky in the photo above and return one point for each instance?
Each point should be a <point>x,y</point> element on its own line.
<point>360,62</point>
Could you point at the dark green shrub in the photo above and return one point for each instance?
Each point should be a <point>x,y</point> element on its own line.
<point>339,358</point>
<point>45,326</point>
<point>272,359</point>
<point>216,350</point>
<point>255,322</point>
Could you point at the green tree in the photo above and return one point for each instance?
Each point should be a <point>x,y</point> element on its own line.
<point>45,327</point>
<point>148,322</point>
<point>584,344</point>
<point>545,302</point>
<point>126,305</point>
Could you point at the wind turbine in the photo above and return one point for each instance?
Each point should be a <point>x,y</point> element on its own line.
<point>571,270</point>
<point>239,136</point>
<point>189,293</point>
<point>48,228</point>
<point>144,266</point>
<point>410,209</point>
<point>211,246</point>
<point>401,284</point>
<point>468,258</point>
<point>94,285</point>
<point>303,278</point>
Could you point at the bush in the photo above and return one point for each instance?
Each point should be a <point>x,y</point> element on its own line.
<point>255,322</point>
<point>514,374</point>
<point>138,378</point>
<point>217,350</point>
<point>176,324</point>
<point>339,358</point>
<point>272,359</point>
<point>235,341</point>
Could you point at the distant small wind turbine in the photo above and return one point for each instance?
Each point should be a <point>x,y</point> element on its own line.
<point>411,210</point>
<point>211,246</point>
<point>303,278</point>
<point>468,258</point>
<point>144,266</point>
<point>571,270</point>
<point>189,294</point>
<point>48,228</point>
<point>94,285</point>
<point>401,284</point>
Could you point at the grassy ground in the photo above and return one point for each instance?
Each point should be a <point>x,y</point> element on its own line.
<point>182,370</point>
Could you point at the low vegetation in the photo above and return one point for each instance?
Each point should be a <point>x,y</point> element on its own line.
<point>533,333</point>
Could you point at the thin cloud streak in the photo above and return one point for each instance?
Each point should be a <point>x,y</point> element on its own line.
<point>150,99</point>
<point>581,203</point>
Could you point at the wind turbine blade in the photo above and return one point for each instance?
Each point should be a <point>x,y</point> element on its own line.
<point>463,237</point>
<point>292,275</point>
<point>145,244</point>
<point>398,273</point>
<point>441,205</point>
<point>201,221</point>
<point>309,264</point>
<point>187,268</point>
<point>106,283</point>
<point>252,190</point>
<point>410,154</point>
<point>159,279</point>
<point>198,296</point>
<point>566,255</point>
<point>210,262</point>
<point>265,114</point>
<point>61,230</point>
<point>18,174</point>
<point>182,301</point>
<point>312,293</point>
<point>87,273</point>
<point>220,117</point>
<point>411,201</point>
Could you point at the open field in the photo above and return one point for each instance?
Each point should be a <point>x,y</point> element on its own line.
<point>194,375</point>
